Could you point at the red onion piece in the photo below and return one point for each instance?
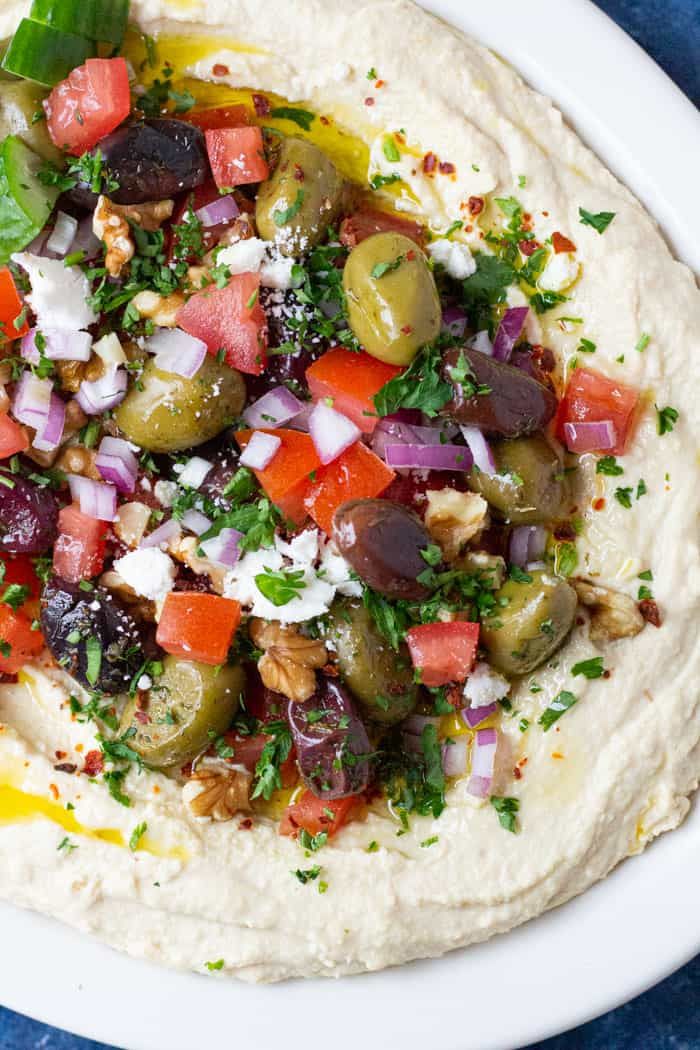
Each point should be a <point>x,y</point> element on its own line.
<point>590,437</point>
<point>474,716</point>
<point>96,499</point>
<point>63,233</point>
<point>527,544</point>
<point>224,549</point>
<point>480,450</point>
<point>196,522</point>
<point>454,757</point>
<point>260,450</point>
<point>483,759</point>
<point>28,348</point>
<point>454,321</point>
<point>331,432</point>
<point>85,240</point>
<point>104,393</point>
<point>301,420</point>
<point>117,463</point>
<point>429,457</point>
<point>509,331</point>
<point>49,436</point>
<point>163,535</point>
<point>177,352</point>
<point>273,409</point>
<point>390,431</point>
<point>59,345</point>
<point>223,209</point>
<point>32,400</point>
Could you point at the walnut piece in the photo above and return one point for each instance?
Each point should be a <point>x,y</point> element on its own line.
<point>217,792</point>
<point>131,522</point>
<point>111,227</point>
<point>72,373</point>
<point>161,309</point>
<point>76,459</point>
<point>613,614</point>
<point>185,550</point>
<point>289,659</point>
<point>150,215</point>
<point>453,518</point>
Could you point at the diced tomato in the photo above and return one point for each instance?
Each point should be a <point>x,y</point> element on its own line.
<point>215,117</point>
<point>351,380</point>
<point>358,227</point>
<point>12,438</point>
<point>230,319</point>
<point>444,652</point>
<point>236,156</point>
<point>286,478</point>
<point>10,308</point>
<point>91,102</point>
<point>592,398</point>
<point>311,814</point>
<point>79,551</point>
<point>16,632</point>
<point>198,626</point>
<point>357,474</point>
<point>19,568</point>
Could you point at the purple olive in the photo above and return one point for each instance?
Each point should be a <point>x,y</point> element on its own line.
<point>331,742</point>
<point>154,159</point>
<point>383,541</point>
<point>512,403</point>
<point>28,515</point>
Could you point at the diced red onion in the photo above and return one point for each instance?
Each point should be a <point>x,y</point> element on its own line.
<point>224,549</point>
<point>166,533</point>
<point>474,716</point>
<point>483,760</point>
<point>196,522</point>
<point>331,432</point>
<point>117,463</point>
<point>536,566</point>
<point>85,239</point>
<point>177,352</point>
<point>480,450</point>
<point>96,499</point>
<point>223,209</point>
<point>32,400</point>
<point>260,450</point>
<point>301,420</point>
<point>481,342</point>
<point>273,409</point>
<point>393,432</point>
<point>63,233</point>
<point>454,757</point>
<point>454,321</point>
<point>509,331</point>
<point>99,395</point>
<point>527,544</point>
<point>59,345</point>
<point>429,457</point>
<point>28,348</point>
<point>193,472</point>
<point>49,436</point>
<point>590,437</point>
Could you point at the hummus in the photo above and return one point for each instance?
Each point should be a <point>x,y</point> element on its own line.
<point>621,766</point>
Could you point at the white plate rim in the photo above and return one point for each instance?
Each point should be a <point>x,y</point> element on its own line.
<point>568,966</point>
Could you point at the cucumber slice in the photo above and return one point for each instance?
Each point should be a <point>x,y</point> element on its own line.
<point>25,203</point>
<point>45,54</point>
<point>95,19</point>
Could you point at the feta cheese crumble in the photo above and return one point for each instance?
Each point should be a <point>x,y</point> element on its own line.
<point>59,293</point>
<point>485,686</point>
<point>255,255</point>
<point>149,571</point>
<point>454,256</point>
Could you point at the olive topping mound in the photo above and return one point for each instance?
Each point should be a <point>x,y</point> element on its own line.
<point>91,635</point>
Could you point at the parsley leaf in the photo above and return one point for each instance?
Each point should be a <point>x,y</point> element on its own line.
<point>561,703</point>
<point>137,834</point>
<point>15,595</point>
<point>420,386</point>
<point>282,586</point>
<point>624,497</point>
<point>599,220</point>
<point>507,809</point>
<point>305,875</point>
<point>486,288</point>
<point>592,668</point>
<point>273,755</point>
<point>608,465</point>
<point>284,215</point>
<point>302,117</point>
<point>666,419</point>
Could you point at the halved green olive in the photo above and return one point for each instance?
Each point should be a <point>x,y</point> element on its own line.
<point>21,114</point>
<point>165,412</point>
<point>186,704</point>
<point>380,679</point>
<point>392,301</point>
<point>531,624</point>
<point>531,486</point>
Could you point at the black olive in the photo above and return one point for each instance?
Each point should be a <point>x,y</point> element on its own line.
<point>91,635</point>
<point>154,159</point>
<point>28,515</point>
<point>331,742</point>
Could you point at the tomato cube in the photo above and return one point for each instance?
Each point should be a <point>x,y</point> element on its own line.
<point>236,155</point>
<point>215,117</point>
<point>12,438</point>
<point>10,308</point>
<point>90,103</point>
<point>18,642</point>
<point>315,815</point>
<point>230,319</point>
<point>286,479</point>
<point>198,626</point>
<point>593,398</point>
<point>351,380</point>
<point>79,551</point>
<point>356,474</point>
<point>443,652</point>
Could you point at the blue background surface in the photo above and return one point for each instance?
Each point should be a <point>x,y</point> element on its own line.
<point>668,1017</point>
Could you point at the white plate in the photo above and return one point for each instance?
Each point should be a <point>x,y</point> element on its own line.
<point>568,966</point>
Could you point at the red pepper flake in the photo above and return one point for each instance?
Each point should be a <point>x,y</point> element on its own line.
<point>380,84</point>
<point>65,767</point>
<point>142,717</point>
<point>446,168</point>
<point>518,773</point>
<point>60,755</point>
<point>331,670</point>
<point>410,255</point>
<point>299,173</point>
<point>606,673</point>
<point>599,504</point>
<point>546,214</point>
<point>94,763</point>
<point>54,791</point>
<point>476,205</point>
<point>369,101</point>
<point>560,243</point>
<point>429,163</point>
<point>406,330</point>
<point>262,105</point>
<point>544,357</point>
<point>325,121</point>
<point>246,824</point>
<point>528,247</point>
<point>650,611</point>
<point>220,70</point>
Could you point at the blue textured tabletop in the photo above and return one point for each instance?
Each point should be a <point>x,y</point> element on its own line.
<point>668,1017</point>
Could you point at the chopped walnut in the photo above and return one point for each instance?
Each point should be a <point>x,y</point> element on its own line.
<point>185,550</point>
<point>198,276</point>
<point>613,614</point>
<point>161,309</point>
<point>131,523</point>
<point>111,227</point>
<point>289,659</point>
<point>72,373</point>
<point>217,791</point>
<point>150,215</point>
<point>453,518</point>
<point>76,459</point>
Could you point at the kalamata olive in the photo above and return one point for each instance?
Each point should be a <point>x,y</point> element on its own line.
<point>28,515</point>
<point>331,742</point>
<point>383,541</point>
<point>154,159</point>
<point>91,635</point>
<point>530,622</point>
<point>512,404</point>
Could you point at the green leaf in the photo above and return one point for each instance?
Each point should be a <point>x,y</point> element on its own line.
<point>273,755</point>
<point>643,342</point>
<point>137,834</point>
<point>304,118</point>
<point>599,220</point>
<point>390,149</point>
<point>305,875</point>
<point>543,301</point>
<point>15,595</point>
<point>378,181</point>
<point>592,668</point>
<point>184,100</point>
<point>432,753</point>
<point>666,419</point>
<point>561,703</point>
<point>507,810</point>
<point>212,966</point>
<point>380,268</point>
<point>282,586</point>
<point>420,386</point>
<point>93,652</point>
<point>285,215</point>
<point>608,465</point>
<point>624,497</point>
<point>486,288</point>
<point>565,559</point>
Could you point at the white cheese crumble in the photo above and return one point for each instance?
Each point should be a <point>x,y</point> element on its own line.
<point>165,492</point>
<point>148,571</point>
<point>481,342</point>
<point>193,472</point>
<point>59,293</point>
<point>110,349</point>
<point>255,255</point>
<point>485,686</point>
<point>455,257</point>
<point>560,273</point>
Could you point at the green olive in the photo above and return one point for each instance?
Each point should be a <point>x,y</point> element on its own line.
<point>21,114</point>
<point>188,703</point>
<point>392,301</point>
<point>531,624</point>
<point>530,487</point>
<point>165,412</point>
<point>301,199</point>
<point>380,679</point>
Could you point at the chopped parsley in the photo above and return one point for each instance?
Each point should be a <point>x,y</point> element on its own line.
<point>212,966</point>
<point>420,386</point>
<point>586,346</point>
<point>666,419</point>
<point>598,220</point>
<point>643,342</point>
<point>312,843</point>
<point>93,653</point>
<point>87,169</point>
<point>507,810</point>
<point>378,181</point>
<point>305,875</point>
<point>430,841</point>
<point>137,834</point>
<point>66,846</point>
<point>381,268</point>
<point>282,586</point>
<point>591,669</point>
<point>274,754</point>
<point>15,595</point>
<point>565,559</point>
<point>624,496</point>
<point>608,465</point>
<point>561,703</point>
<point>284,215</point>
<point>304,118</point>
<point>390,149</point>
